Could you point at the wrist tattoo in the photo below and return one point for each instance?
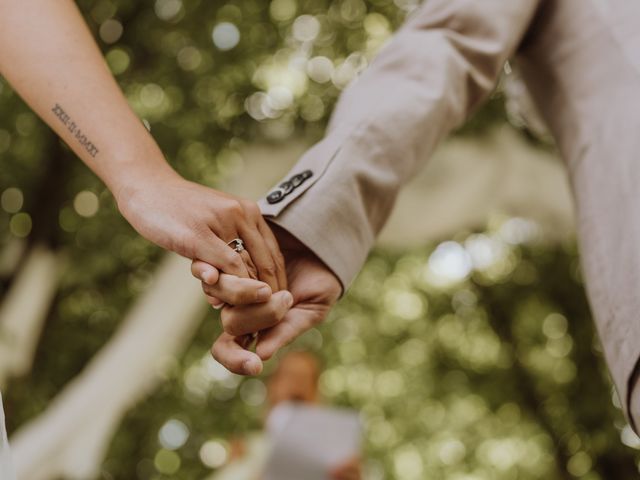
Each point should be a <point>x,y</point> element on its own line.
<point>66,120</point>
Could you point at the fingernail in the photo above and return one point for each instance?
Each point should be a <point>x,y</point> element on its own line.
<point>251,367</point>
<point>287,299</point>
<point>264,293</point>
<point>218,306</point>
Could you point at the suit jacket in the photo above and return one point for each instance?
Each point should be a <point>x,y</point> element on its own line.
<point>581,61</point>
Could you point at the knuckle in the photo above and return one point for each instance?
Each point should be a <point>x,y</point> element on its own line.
<point>252,209</point>
<point>234,207</point>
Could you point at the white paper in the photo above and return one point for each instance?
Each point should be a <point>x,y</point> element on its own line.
<point>308,441</point>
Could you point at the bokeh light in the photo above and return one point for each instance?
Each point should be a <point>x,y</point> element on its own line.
<point>213,454</point>
<point>86,203</point>
<point>12,200</point>
<point>225,36</point>
<point>173,434</point>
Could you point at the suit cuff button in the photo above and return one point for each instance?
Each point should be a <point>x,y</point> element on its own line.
<point>286,187</point>
<point>300,178</point>
<point>275,196</point>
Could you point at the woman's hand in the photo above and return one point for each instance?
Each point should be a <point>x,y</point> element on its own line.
<point>198,222</point>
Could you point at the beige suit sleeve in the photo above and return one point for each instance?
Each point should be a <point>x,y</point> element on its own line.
<point>425,82</point>
<point>593,115</point>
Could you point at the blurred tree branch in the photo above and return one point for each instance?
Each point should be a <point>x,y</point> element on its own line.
<point>70,438</point>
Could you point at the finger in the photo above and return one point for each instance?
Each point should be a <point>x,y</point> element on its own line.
<point>252,318</point>
<point>204,272</point>
<point>251,268</point>
<point>217,253</point>
<point>208,275</point>
<point>228,352</point>
<point>295,323</point>
<point>238,291</point>
<point>261,256</point>
<point>276,253</point>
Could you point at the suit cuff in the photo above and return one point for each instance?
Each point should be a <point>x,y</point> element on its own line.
<point>344,267</point>
<point>328,218</point>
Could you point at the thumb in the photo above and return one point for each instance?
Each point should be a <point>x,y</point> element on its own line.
<point>204,272</point>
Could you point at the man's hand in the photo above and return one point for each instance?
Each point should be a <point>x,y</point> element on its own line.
<point>278,321</point>
<point>197,222</point>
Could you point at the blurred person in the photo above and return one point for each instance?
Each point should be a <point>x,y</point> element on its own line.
<point>581,62</point>
<point>295,379</point>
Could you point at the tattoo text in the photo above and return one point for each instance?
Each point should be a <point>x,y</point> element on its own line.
<point>75,130</point>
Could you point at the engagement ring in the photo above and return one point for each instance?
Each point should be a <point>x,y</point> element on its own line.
<point>237,244</point>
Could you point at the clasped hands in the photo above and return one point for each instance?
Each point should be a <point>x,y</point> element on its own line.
<point>270,293</point>
<point>267,311</point>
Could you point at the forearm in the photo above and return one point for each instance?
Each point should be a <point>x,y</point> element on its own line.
<point>54,64</point>
<point>425,82</point>
<point>52,61</point>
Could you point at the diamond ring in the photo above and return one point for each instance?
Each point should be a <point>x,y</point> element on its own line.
<point>237,244</point>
